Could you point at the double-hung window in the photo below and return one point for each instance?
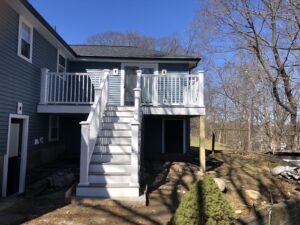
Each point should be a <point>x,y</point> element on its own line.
<point>61,63</point>
<point>25,40</point>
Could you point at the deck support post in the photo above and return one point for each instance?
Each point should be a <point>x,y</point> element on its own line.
<point>202,156</point>
<point>44,86</point>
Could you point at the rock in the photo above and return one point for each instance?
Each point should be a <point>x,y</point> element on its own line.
<point>281,169</point>
<point>254,195</point>
<point>221,183</point>
<point>60,180</point>
<point>238,211</point>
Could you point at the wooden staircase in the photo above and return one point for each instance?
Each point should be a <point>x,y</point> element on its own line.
<point>110,166</point>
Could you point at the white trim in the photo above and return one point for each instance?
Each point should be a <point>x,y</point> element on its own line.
<point>23,154</point>
<point>139,64</point>
<point>173,110</point>
<point>50,128</point>
<point>59,53</point>
<point>29,25</point>
<point>184,150</point>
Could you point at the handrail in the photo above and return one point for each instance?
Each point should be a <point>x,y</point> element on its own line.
<point>136,129</point>
<point>90,128</point>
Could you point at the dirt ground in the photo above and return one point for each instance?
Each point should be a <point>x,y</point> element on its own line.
<point>166,184</point>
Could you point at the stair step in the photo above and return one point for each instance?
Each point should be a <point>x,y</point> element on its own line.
<point>116,126</point>
<point>107,190</point>
<point>109,178</point>
<point>100,158</point>
<point>114,140</point>
<point>117,119</point>
<point>112,149</point>
<point>115,133</point>
<point>109,168</point>
<point>119,113</point>
<point>119,108</point>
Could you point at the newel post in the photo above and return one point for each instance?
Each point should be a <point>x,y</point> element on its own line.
<point>201,88</point>
<point>44,86</point>
<point>84,155</point>
<point>135,125</point>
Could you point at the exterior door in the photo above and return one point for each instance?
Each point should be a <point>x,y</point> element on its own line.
<point>130,84</point>
<point>14,160</point>
<point>173,136</point>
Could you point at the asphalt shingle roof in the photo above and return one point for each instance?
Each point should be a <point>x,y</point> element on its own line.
<point>123,52</point>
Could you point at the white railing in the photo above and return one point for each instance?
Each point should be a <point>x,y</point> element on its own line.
<point>69,88</point>
<point>136,129</point>
<point>173,89</point>
<point>90,129</point>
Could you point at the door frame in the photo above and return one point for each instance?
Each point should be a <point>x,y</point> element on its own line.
<point>184,149</point>
<point>136,64</point>
<point>24,149</point>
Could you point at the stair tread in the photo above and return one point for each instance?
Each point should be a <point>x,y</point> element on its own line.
<point>100,136</point>
<point>125,163</point>
<point>110,173</point>
<point>116,185</point>
<point>111,153</point>
<point>99,144</point>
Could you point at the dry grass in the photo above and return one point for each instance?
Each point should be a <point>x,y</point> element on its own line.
<point>218,146</point>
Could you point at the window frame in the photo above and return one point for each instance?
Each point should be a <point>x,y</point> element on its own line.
<point>29,25</point>
<point>50,139</point>
<point>58,64</point>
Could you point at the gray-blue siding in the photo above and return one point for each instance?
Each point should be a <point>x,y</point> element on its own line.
<point>20,80</point>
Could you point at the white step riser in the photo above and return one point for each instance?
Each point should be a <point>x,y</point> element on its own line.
<point>106,179</point>
<point>119,113</point>
<point>117,126</point>
<point>119,108</point>
<point>111,158</point>
<point>109,119</point>
<point>115,133</point>
<point>102,192</point>
<point>114,141</point>
<point>113,149</point>
<point>109,168</point>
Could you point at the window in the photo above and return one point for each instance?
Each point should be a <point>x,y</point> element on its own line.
<point>53,128</point>
<point>25,40</point>
<point>61,63</point>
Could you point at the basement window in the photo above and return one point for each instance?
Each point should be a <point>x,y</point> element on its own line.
<point>25,40</point>
<point>53,128</point>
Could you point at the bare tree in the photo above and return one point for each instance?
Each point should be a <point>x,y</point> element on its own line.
<point>269,31</point>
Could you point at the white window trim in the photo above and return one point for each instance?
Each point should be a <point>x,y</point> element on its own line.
<point>22,20</point>
<point>59,53</point>
<point>49,131</point>
<point>23,162</point>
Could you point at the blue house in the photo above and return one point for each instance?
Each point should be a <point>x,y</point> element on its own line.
<point>112,106</point>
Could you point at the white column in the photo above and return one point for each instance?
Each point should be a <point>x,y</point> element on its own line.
<point>44,86</point>
<point>201,88</point>
<point>84,155</point>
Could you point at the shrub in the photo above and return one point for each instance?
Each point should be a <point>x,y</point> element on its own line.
<point>204,204</point>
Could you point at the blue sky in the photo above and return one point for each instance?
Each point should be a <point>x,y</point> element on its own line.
<point>76,20</point>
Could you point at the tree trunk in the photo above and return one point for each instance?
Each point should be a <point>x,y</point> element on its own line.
<point>294,144</point>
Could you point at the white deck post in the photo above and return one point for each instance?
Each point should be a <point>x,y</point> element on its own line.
<point>44,86</point>
<point>201,88</point>
<point>136,133</point>
<point>84,155</point>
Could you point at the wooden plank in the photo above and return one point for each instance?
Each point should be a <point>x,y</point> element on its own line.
<point>202,157</point>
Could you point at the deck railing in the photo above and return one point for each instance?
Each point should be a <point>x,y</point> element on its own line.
<point>172,89</point>
<point>69,88</point>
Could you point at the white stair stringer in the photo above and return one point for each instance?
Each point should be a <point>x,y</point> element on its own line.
<point>110,167</point>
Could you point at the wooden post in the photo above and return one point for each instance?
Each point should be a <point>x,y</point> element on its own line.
<point>202,157</point>
<point>213,140</point>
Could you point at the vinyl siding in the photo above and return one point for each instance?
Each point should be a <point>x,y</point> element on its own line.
<point>174,67</point>
<point>20,80</point>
